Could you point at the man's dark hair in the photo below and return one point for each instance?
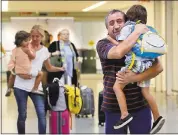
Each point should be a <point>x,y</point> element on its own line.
<point>21,36</point>
<point>137,12</point>
<point>112,12</point>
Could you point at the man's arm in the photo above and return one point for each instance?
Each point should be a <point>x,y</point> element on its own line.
<point>150,73</point>
<point>117,52</point>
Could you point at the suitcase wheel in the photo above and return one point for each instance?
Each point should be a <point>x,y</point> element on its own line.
<point>101,123</point>
<point>92,115</point>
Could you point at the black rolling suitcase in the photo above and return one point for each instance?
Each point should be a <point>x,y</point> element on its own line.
<point>101,115</point>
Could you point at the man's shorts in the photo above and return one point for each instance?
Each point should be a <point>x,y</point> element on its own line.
<point>139,67</point>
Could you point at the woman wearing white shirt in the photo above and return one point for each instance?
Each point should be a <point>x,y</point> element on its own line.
<point>24,83</point>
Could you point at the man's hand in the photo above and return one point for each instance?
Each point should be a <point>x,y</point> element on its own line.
<point>125,77</point>
<point>141,28</point>
<point>148,74</point>
<point>25,76</point>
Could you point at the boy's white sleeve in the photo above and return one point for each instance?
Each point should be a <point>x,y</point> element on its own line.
<point>125,32</point>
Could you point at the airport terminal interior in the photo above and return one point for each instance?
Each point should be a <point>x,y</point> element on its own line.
<point>86,26</point>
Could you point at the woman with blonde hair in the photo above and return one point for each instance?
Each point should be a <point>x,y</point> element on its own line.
<point>23,83</point>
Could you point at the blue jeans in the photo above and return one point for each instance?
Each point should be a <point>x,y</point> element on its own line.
<point>141,123</point>
<point>38,101</point>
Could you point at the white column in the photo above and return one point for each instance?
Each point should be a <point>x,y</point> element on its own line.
<point>175,45</point>
<point>169,40</point>
<point>163,34</point>
<point>158,26</point>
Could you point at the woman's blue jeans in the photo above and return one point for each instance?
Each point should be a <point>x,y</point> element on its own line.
<point>38,101</point>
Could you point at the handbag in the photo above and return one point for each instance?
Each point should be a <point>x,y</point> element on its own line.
<point>56,60</point>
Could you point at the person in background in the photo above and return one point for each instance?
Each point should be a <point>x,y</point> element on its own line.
<point>50,38</point>
<point>58,36</point>
<point>3,50</point>
<point>46,43</point>
<point>69,57</point>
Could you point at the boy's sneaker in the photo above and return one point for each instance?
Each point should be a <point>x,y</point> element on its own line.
<point>8,92</point>
<point>123,122</point>
<point>157,125</point>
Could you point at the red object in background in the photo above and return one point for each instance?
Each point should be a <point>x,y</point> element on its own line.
<point>25,13</point>
<point>144,0</point>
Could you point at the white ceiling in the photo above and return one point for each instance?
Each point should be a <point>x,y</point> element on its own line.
<point>65,6</point>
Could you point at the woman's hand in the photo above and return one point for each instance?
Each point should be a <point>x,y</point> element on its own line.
<point>62,68</point>
<point>25,76</point>
<point>52,68</point>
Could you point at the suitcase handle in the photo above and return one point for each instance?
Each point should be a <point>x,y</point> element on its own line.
<point>62,85</point>
<point>59,82</point>
<point>75,104</point>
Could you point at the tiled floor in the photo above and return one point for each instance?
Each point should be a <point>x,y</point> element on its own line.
<point>168,106</point>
